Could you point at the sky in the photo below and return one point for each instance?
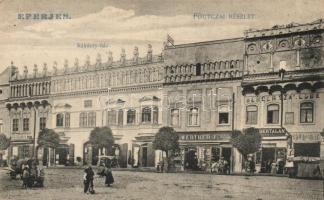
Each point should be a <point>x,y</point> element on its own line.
<point>118,24</point>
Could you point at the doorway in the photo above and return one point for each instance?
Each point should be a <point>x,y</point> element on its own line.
<point>226,153</point>
<point>191,160</point>
<point>144,156</point>
<point>268,156</point>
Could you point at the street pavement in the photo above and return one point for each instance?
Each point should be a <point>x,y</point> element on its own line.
<point>67,184</point>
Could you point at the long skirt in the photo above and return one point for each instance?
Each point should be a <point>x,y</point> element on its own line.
<point>109,178</point>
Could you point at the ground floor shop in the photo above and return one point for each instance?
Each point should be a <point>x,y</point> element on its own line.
<point>199,150</point>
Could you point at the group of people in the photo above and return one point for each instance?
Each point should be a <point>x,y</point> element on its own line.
<point>32,176</point>
<point>104,170</point>
<point>221,166</point>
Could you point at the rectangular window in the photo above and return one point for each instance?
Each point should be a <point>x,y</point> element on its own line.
<point>92,119</point>
<point>42,123</point>
<point>251,115</point>
<point>15,125</point>
<point>88,103</point>
<point>131,116</point>
<point>83,119</point>
<point>289,118</point>
<point>223,118</point>
<point>26,124</point>
<point>67,120</point>
<point>306,112</point>
<point>175,117</point>
<point>193,117</point>
<point>273,114</point>
<point>120,117</point>
<point>112,117</point>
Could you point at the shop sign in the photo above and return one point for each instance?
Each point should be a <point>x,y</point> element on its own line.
<point>306,137</point>
<point>205,136</point>
<point>273,132</point>
<point>285,97</point>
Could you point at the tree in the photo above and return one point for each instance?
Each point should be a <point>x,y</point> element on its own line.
<point>4,142</point>
<point>167,140</point>
<point>247,143</point>
<point>102,138</point>
<point>48,138</point>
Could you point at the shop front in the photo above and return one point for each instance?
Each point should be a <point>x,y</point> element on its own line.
<point>273,152</point>
<point>200,149</point>
<point>143,151</point>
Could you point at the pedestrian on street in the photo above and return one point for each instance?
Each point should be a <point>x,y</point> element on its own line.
<point>109,176</point>
<point>88,180</point>
<point>25,176</point>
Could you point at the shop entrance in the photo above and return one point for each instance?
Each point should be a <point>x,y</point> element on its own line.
<point>226,153</point>
<point>62,154</point>
<point>144,156</point>
<point>191,160</point>
<point>268,156</point>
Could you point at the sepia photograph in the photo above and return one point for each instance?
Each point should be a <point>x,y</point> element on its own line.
<point>161,100</point>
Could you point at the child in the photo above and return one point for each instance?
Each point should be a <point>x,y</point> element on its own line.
<point>25,176</point>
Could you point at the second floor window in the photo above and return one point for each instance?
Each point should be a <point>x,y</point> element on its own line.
<point>120,117</point>
<point>193,117</point>
<point>26,124</point>
<point>59,119</point>
<point>306,112</point>
<point>155,115</point>
<point>223,114</point>
<point>146,114</point>
<point>175,117</point>
<point>67,119</point>
<point>251,115</point>
<point>131,116</point>
<point>273,114</point>
<point>111,117</point>
<point>42,123</point>
<point>91,119</point>
<point>83,120</point>
<point>15,124</point>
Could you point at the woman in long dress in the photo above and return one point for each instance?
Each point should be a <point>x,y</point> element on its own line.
<point>109,176</point>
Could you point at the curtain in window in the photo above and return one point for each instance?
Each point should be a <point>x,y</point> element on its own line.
<point>59,119</point>
<point>67,119</point>
<point>92,119</point>
<point>251,114</point>
<point>193,116</point>
<point>306,112</point>
<point>273,114</point>
<point>83,120</point>
<point>175,117</point>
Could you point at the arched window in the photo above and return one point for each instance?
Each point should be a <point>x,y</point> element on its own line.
<point>131,114</point>
<point>306,112</point>
<point>67,119</point>
<point>120,117</point>
<point>91,119</point>
<point>251,115</point>
<point>273,114</point>
<point>175,117</point>
<point>146,114</point>
<point>193,117</point>
<point>155,115</point>
<point>83,119</point>
<point>59,119</point>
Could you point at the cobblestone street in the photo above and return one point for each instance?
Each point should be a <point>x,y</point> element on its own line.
<point>67,184</point>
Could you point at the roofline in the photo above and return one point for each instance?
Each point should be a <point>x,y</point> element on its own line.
<point>211,42</point>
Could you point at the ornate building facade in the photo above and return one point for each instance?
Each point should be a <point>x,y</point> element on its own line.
<point>124,95</point>
<point>270,79</point>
